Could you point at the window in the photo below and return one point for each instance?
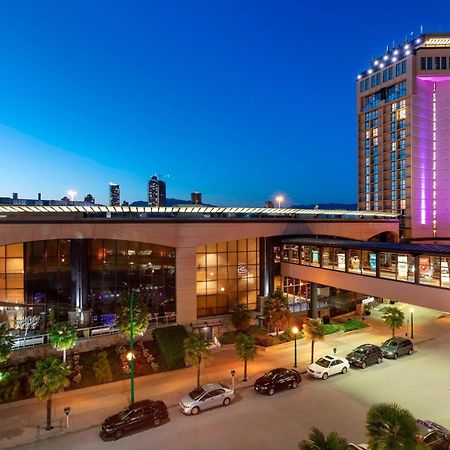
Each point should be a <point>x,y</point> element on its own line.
<point>444,63</point>
<point>391,73</point>
<point>429,63</point>
<point>437,63</point>
<point>378,76</point>
<point>404,66</point>
<point>372,81</point>
<point>366,87</point>
<point>361,86</point>
<point>423,63</point>
<point>398,70</point>
<point>385,76</point>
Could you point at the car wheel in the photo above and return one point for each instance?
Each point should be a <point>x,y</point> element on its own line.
<point>363,365</point>
<point>117,434</point>
<point>294,385</point>
<point>410,351</point>
<point>395,355</point>
<point>156,422</point>
<point>226,401</point>
<point>195,410</point>
<point>324,376</point>
<point>271,391</point>
<point>379,360</point>
<point>344,370</point>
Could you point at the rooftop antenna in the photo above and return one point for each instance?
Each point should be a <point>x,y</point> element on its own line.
<point>421,29</point>
<point>393,44</point>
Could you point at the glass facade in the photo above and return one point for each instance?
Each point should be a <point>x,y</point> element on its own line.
<point>227,274</point>
<point>11,273</point>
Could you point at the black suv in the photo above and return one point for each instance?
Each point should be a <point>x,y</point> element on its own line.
<point>364,355</point>
<point>139,415</point>
<point>397,346</point>
<point>276,380</point>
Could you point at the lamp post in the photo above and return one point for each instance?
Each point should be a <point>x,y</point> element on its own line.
<point>130,355</point>
<point>412,321</point>
<point>279,199</point>
<point>233,373</point>
<point>295,331</point>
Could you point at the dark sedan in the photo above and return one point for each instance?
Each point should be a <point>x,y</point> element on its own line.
<point>397,346</point>
<point>276,380</point>
<point>364,355</point>
<point>434,436</point>
<point>140,415</point>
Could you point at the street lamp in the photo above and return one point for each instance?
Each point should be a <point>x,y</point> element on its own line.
<point>295,331</point>
<point>411,310</point>
<point>279,199</point>
<point>233,373</point>
<point>71,193</point>
<point>130,355</point>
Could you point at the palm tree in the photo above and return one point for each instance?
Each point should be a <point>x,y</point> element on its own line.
<point>318,441</point>
<point>196,350</point>
<point>6,343</point>
<point>49,377</point>
<point>390,427</point>
<point>314,330</point>
<point>394,318</point>
<point>140,316</point>
<point>62,337</point>
<point>241,317</point>
<point>276,310</point>
<point>245,349</point>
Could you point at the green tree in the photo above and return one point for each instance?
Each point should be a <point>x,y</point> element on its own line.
<point>102,368</point>
<point>140,316</point>
<point>49,377</point>
<point>240,317</point>
<point>245,349</point>
<point>314,330</point>
<point>6,343</point>
<point>196,350</point>
<point>394,318</point>
<point>276,310</point>
<point>390,427</point>
<point>318,441</point>
<point>62,337</point>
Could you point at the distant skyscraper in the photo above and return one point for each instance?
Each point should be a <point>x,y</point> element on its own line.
<point>114,194</point>
<point>156,192</point>
<point>89,199</point>
<point>403,104</point>
<point>196,198</point>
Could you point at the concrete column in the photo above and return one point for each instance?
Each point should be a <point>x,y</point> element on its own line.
<point>416,269</point>
<point>314,302</point>
<point>79,273</point>
<point>186,289</point>
<point>265,266</point>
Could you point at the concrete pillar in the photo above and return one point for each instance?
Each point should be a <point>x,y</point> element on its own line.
<point>266,266</point>
<point>314,301</point>
<point>79,273</point>
<point>186,299</point>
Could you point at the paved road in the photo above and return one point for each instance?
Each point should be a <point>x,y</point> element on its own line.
<point>419,382</point>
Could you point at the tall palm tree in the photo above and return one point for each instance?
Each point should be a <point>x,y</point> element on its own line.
<point>314,330</point>
<point>276,310</point>
<point>394,318</point>
<point>240,317</point>
<point>245,349</point>
<point>390,427</point>
<point>318,441</point>
<point>196,350</point>
<point>49,377</point>
<point>62,337</point>
<point>6,343</point>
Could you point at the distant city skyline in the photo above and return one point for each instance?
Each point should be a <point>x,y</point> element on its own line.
<point>239,100</point>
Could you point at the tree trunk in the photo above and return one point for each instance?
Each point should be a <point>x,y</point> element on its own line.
<point>245,370</point>
<point>198,371</point>
<point>312,352</point>
<point>49,414</point>
<point>393,332</point>
<point>64,355</point>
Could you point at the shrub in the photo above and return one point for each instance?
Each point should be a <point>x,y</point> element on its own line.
<point>255,330</point>
<point>148,357</point>
<point>267,340</point>
<point>229,337</point>
<point>11,384</point>
<point>77,367</point>
<point>354,324</point>
<point>331,328</point>
<point>169,342</point>
<point>122,354</point>
<point>102,368</point>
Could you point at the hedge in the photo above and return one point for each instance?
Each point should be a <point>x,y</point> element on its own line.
<point>169,342</point>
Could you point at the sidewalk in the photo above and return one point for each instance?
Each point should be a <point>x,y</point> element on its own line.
<point>23,422</point>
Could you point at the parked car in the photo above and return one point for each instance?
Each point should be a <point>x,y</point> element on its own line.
<point>364,355</point>
<point>206,396</point>
<point>276,380</point>
<point>141,414</point>
<point>328,365</point>
<point>397,346</point>
<point>434,436</point>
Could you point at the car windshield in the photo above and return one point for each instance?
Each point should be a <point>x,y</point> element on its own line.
<point>225,385</point>
<point>196,393</point>
<point>124,413</point>
<point>390,344</point>
<point>361,350</point>
<point>272,374</point>
<point>322,362</point>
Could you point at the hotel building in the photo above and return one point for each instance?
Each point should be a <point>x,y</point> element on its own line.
<point>403,110</point>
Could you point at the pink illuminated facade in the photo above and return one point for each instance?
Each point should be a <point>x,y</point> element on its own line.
<point>403,104</point>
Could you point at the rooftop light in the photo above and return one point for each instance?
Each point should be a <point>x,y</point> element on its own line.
<point>376,62</point>
<point>408,52</point>
<point>406,47</point>
<point>385,57</point>
<point>381,65</point>
<point>394,58</point>
<point>370,71</point>
<point>395,52</point>
<point>418,41</point>
<point>359,76</point>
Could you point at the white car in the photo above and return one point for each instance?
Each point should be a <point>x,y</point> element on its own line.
<point>328,365</point>
<point>206,396</point>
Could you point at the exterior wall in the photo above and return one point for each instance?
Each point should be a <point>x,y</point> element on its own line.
<point>414,294</point>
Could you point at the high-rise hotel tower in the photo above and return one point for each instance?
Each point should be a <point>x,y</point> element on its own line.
<point>403,108</point>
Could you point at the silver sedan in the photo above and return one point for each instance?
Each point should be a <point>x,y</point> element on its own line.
<point>206,396</point>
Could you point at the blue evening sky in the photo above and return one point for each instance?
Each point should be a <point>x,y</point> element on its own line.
<point>238,99</point>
